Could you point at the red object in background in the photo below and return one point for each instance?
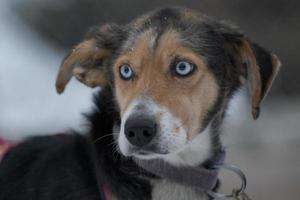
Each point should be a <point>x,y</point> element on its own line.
<point>4,147</point>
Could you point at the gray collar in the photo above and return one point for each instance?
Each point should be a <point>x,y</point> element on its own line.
<point>198,177</point>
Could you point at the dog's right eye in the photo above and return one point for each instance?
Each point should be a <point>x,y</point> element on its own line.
<point>126,72</point>
<point>183,68</point>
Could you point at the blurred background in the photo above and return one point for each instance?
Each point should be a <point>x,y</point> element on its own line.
<point>36,35</point>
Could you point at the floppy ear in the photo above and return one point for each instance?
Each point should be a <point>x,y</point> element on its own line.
<point>89,59</point>
<point>259,67</point>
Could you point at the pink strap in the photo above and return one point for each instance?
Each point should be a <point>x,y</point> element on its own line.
<point>4,147</point>
<point>106,193</point>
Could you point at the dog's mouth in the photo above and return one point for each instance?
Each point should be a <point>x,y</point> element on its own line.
<point>143,153</point>
<point>149,151</point>
<point>146,152</point>
<point>148,155</point>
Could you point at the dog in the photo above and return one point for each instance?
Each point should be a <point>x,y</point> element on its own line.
<point>166,81</point>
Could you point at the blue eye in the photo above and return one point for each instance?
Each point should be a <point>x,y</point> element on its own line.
<point>184,68</point>
<point>126,72</point>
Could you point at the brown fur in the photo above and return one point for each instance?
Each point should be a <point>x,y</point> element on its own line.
<point>82,63</point>
<point>253,76</point>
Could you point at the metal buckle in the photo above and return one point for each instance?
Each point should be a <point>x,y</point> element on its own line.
<point>236,193</point>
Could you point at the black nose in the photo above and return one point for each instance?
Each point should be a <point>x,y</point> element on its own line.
<point>140,130</point>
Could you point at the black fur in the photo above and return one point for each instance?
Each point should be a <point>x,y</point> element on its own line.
<point>51,167</point>
<point>119,174</point>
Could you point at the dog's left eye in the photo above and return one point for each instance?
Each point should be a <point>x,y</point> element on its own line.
<point>126,72</point>
<point>184,68</point>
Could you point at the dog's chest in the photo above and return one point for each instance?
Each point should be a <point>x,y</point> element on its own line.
<point>166,190</point>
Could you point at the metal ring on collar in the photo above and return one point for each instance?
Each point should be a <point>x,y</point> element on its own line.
<point>236,193</point>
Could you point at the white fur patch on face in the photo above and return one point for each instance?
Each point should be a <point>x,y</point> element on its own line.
<point>171,141</point>
<point>194,152</point>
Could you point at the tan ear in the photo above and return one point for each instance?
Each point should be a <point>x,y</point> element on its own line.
<point>261,69</point>
<point>88,61</point>
<point>83,62</point>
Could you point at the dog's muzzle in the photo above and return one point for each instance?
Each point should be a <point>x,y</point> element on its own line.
<point>149,130</point>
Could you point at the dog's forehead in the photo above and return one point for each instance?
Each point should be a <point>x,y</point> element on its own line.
<point>194,31</point>
<point>155,24</point>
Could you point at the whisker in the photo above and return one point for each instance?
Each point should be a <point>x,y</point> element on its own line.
<point>103,137</point>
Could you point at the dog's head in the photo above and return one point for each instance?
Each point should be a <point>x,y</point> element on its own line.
<point>172,71</point>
